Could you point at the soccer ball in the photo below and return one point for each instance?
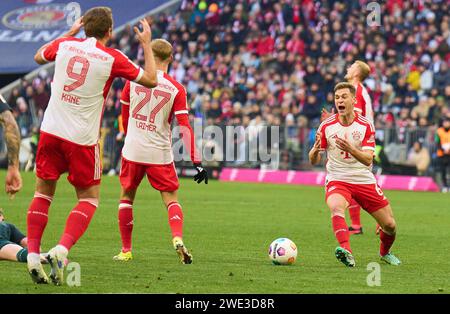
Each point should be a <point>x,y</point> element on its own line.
<point>283,251</point>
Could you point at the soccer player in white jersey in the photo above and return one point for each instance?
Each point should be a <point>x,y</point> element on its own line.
<point>356,74</point>
<point>349,141</point>
<point>147,116</point>
<point>84,71</point>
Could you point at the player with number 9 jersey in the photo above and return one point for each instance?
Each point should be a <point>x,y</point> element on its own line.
<point>84,71</point>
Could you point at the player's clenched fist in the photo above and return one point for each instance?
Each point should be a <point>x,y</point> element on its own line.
<point>144,37</point>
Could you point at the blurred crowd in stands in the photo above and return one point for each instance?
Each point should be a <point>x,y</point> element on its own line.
<point>275,62</point>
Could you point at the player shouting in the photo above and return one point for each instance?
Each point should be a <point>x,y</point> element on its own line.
<point>84,71</point>
<point>349,140</point>
<point>356,74</point>
<point>147,116</point>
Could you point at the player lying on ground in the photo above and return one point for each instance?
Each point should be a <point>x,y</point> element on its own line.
<point>13,243</point>
<point>356,74</point>
<point>84,71</point>
<point>147,116</point>
<point>349,140</point>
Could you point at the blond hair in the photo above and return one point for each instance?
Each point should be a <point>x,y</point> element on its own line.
<point>364,69</point>
<point>162,49</point>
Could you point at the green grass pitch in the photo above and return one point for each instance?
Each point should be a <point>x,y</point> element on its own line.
<point>228,228</point>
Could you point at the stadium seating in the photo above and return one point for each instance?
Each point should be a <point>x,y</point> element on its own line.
<point>276,62</point>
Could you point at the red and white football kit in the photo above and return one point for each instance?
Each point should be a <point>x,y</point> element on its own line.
<point>346,175</point>
<point>364,107</point>
<point>363,103</point>
<point>84,71</point>
<point>147,116</point>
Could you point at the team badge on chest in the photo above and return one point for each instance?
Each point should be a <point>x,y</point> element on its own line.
<point>356,136</point>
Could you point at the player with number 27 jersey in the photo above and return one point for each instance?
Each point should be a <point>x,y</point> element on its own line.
<point>149,133</point>
<point>147,115</point>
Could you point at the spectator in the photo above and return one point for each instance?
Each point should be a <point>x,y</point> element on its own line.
<point>23,117</point>
<point>419,156</point>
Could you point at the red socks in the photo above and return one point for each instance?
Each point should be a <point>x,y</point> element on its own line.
<point>355,214</point>
<point>126,223</point>
<point>175,219</point>
<point>37,218</point>
<point>78,222</point>
<point>341,231</point>
<point>386,242</point>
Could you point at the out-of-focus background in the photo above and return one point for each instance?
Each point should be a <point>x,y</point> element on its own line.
<point>259,63</point>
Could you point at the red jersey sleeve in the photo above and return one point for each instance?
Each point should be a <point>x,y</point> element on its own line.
<point>188,137</point>
<point>124,67</point>
<point>125,101</point>
<point>181,111</point>
<point>323,137</point>
<point>369,138</point>
<point>360,104</point>
<point>125,96</point>
<point>49,53</point>
<point>180,102</point>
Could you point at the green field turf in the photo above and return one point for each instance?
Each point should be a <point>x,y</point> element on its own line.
<point>228,227</point>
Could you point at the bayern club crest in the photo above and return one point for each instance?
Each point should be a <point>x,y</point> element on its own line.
<point>356,136</point>
<point>36,17</point>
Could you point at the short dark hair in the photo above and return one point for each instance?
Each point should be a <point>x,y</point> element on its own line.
<point>97,22</point>
<point>343,85</point>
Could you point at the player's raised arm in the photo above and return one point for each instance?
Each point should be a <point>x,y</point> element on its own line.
<point>149,79</point>
<point>47,52</point>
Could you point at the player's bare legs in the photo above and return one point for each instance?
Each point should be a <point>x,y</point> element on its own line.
<point>125,216</point>
<point>385,218</point>
<point>76,224</point>
<point>13,252</point>
<point>37,218</point>
<point>175,214</point>
<point>338,204</point>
